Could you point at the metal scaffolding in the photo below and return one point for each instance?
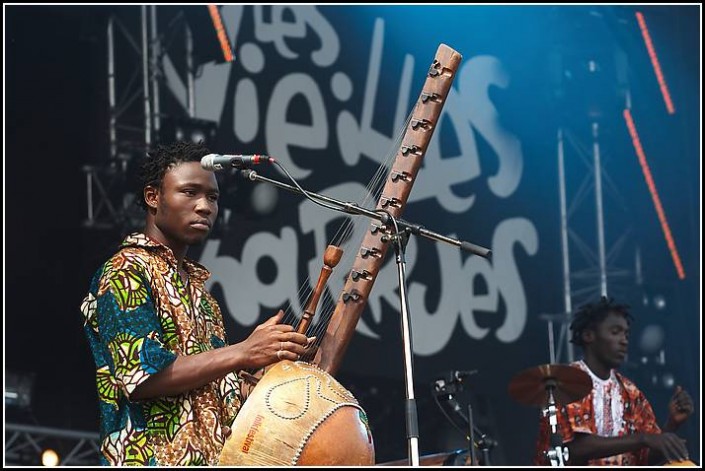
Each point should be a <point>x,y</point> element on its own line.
<point>24,445</point>
<point>590,262</point>
<point>590,87</point>
<point>136,50</point>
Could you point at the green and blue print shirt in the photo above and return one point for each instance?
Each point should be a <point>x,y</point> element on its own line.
<point>139,316</point>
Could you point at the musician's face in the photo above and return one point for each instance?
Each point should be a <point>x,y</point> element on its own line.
<point>610,340</point>
<point>186,205</point>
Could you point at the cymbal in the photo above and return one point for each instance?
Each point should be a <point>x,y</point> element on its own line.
<point>530,386</point>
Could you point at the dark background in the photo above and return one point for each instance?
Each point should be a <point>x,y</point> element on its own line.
<point>56,121</point>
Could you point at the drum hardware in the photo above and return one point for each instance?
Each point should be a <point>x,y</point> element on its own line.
<point>547,386</point>
<point>557,454</point>
<point>446,389</point>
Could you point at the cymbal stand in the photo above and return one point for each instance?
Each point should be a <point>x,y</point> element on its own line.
<point>446,390</point>
<point>557,453</point>
<point>485,443</point>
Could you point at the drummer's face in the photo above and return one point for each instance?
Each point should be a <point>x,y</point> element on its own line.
<point>612,340</point>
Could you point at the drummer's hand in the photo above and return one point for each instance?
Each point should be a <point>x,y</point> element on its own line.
<point>670,445</point>
<point>679,408</point>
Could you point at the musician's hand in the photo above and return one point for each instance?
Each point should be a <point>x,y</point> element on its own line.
<point>679,408</point>
<point>669,445</point>
<point>272,341</point>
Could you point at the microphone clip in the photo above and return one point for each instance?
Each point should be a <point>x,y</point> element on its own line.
<point>451,383</point>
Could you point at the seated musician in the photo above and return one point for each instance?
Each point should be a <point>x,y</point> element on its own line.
<point>168,383</point>
<point>614,425</point>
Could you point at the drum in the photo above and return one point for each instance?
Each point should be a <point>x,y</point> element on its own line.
<point>299,415</point>
<point>680,463</point>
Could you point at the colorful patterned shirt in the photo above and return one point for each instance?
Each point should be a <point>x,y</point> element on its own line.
<point>614,408</point>
<point>139,316</point>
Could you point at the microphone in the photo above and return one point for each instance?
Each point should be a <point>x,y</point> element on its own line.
<point>215,162</point>
<point>460,375</point>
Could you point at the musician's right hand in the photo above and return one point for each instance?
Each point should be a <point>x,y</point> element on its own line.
<point>273,341</point>
<point>669,445</point>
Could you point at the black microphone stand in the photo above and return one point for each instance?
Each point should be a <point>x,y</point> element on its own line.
<point>400,238</point>
<point>446,391</point>
<point>471,436</point>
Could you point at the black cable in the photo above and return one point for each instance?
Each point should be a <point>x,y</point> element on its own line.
<point>452,422</point>
<point>306,193</point>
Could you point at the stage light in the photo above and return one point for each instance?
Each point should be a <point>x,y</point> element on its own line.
<point>264,199</point>
<point>667,380</point>
<point>652,339</point>
<point>188,129</point>
<point>655,63</point>
<point>659,302</point>
<point>18,390</point>
<point>221,33</point>
<point>654,193</point>
<point>50,458</point>
<point>197,135</point>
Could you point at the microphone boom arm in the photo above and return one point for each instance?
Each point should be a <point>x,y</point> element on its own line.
<point>353,208</point>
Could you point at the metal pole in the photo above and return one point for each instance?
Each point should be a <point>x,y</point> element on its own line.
<point>412,427</point>
<point>191,84</point>
<point>156,57</point>
<point>551,348</point>
<point>564,242</point>
<point>471,433</point>
<point>89,196</point>
<point>52,432</point>
<point>111,88</point>
<point>598,202</point>
<point>145,81</point>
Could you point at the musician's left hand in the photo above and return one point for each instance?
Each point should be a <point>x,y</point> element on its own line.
<point>679,408</point>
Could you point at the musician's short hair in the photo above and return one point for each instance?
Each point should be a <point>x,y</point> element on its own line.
<point>589,316</point>
<point>162,158</point>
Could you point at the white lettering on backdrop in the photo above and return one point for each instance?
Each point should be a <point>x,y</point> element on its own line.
<point>468,109</point>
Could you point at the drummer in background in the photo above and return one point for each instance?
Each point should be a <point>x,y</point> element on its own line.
<point>614,425</point>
